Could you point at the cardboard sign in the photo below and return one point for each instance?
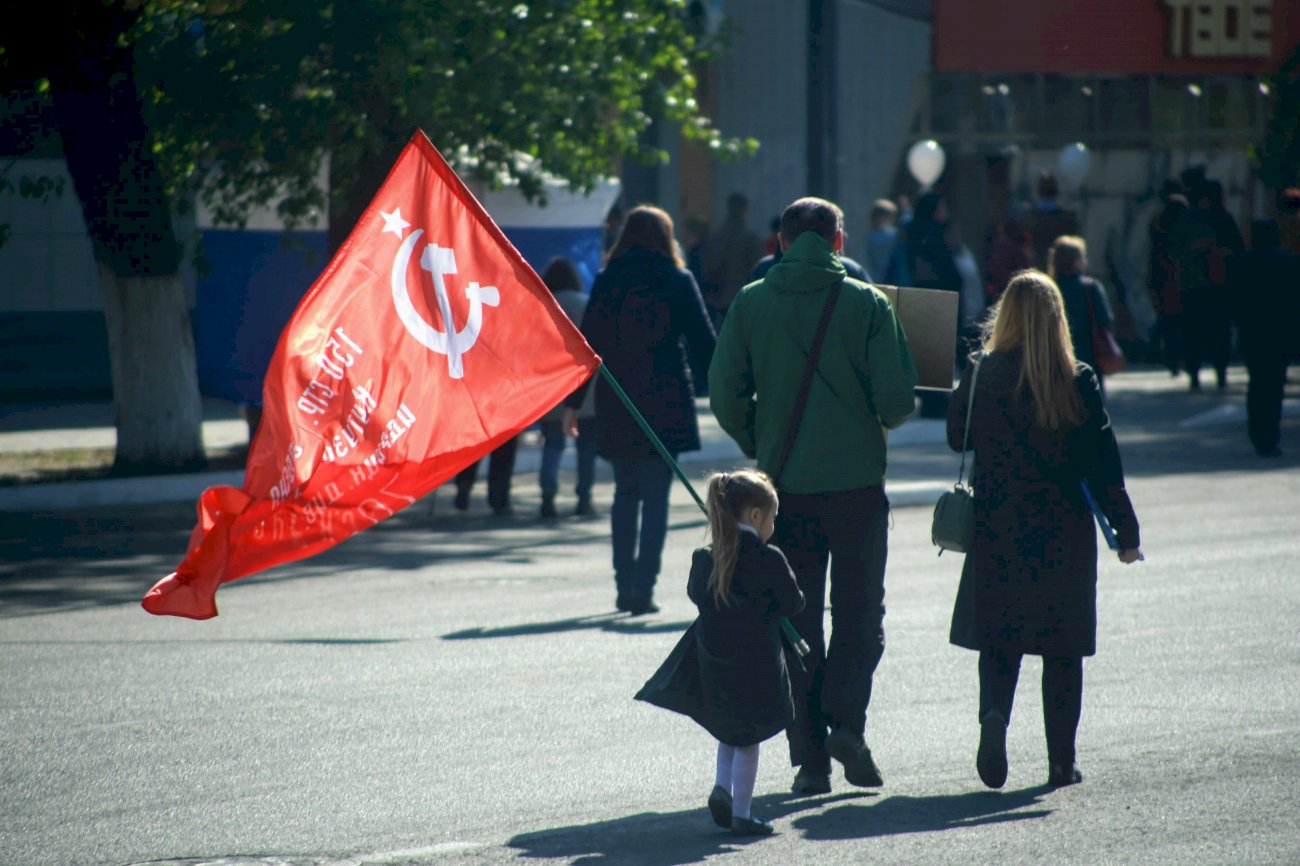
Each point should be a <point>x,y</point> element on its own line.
<point>929,319</point>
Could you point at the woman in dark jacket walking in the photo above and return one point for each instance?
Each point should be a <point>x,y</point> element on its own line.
<point>1039,432</point>
<point>1085,299</point>
<point>645,314</point>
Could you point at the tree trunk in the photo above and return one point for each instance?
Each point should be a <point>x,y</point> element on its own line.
<point>155,379</point>
<point>129,220</point>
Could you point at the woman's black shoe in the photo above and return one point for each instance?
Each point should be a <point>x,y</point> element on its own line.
<point>1060,775</point>
<point>623,602</point>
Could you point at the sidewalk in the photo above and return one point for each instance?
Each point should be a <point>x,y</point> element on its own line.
<point>33,427</point>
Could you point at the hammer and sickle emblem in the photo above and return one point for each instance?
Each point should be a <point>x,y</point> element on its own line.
<point>440,261</point>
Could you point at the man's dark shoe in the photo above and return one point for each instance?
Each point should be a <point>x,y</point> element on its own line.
<point>548,506</point>
<point>850,750</point>
<point>750,827</point>
<point>462,500</point>
<point>585,509</point>
<point>720,806</point>
<point>808,781</point>
<point>991,759</point>
<point>623,602</point>
<point>639,606</point>
<point>1060,775</point>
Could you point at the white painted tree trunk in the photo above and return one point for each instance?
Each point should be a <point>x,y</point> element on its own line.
<point>154,373</point>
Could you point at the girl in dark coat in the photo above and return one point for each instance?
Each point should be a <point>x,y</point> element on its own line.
<point>645,314</point>
<point>728,671</point>
<point>1029,584</point>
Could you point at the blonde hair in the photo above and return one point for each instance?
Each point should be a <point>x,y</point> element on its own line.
<point>1030,315</point>
<point>730,495</point>
<point>1067,255</point>
<point>649,228</point>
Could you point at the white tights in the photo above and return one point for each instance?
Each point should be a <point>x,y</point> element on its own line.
<point>737,770</point>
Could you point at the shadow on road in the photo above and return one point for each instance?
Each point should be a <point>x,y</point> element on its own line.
<point>689,836</point>
<point>614,622</point>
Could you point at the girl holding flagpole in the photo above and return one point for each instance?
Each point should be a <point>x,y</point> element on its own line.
<point>728,671</point>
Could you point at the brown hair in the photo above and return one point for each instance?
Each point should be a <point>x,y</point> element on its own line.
<point>811,214</point>
<point>1068,255</point>
<point>730,495</point>
<point>1030,315</point>
<point>649,228</point>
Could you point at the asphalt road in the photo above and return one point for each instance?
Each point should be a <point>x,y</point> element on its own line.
<point>455,689</point>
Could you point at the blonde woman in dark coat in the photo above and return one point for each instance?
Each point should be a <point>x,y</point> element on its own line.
<point>1039,432</point>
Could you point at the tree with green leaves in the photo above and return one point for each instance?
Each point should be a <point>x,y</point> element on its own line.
<point>239,103</point>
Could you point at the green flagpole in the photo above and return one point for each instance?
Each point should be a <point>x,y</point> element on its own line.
<point>796,641</point>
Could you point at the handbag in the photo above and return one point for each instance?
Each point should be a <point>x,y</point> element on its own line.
<point>953,524</point>
<point>1107,353</point>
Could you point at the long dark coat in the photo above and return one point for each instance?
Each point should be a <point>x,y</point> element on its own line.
<point>644,314</point>
<point>728,672</point>
<point>1029,583</point>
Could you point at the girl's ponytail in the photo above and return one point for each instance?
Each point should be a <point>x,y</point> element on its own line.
<point>729,495</point>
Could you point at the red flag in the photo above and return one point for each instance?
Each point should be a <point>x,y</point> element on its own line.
<point>426,343</point>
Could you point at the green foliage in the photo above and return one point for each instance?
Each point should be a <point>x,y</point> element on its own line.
<point>264,88</point>
<point>1279,157</point>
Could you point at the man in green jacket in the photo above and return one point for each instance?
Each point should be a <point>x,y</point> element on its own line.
<point>833,504</point>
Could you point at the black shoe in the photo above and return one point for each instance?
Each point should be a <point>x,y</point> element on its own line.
<point>548,507</point>
<point>584,509</point>
<point>850,750</point>
<point>720,806</point>
<point>1060,775</point>
<point>991,759</point>
<point>503,510</point>
<point>751,827</point>
<point>462,500</point>
<point>641,606</point>
<point>623,602</point>
<point>1269,452</point>
<point>808,781</point>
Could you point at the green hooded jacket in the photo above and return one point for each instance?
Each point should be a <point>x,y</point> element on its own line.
<point>865,375</point>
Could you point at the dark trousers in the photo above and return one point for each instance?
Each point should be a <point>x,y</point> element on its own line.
<point>849,529</point>
<point>1062,696</point>
<point>501,467</point>
<point>638,523</point>
<point>1264,400</point>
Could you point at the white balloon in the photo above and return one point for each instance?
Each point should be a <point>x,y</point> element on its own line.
<point>925,161</point>
<point>1073,164</point>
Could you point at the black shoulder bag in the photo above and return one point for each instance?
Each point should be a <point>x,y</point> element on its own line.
<point>953,526</point>
<point>801,398</point>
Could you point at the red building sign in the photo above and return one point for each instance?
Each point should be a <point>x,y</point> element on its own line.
<point>1176,37</point>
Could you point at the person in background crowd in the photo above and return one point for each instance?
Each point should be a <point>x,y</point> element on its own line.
<point>1049,219</point>
<point>882,236</point>
<point>1028,586</point>
<point>1265,288</point>
<point>833,504</point>
<point>932,265</point>
<point>1222,239</point>
<point>1085,299</point>
<point>644,306</point>
<point>727,257</point>
<point>562,278</point>
<point>771,243</point>
<point>1010,251</point>
<point>1167,231</point>
<point>501,469</point>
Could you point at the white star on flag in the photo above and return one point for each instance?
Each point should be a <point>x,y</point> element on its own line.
<point>393,222</point>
